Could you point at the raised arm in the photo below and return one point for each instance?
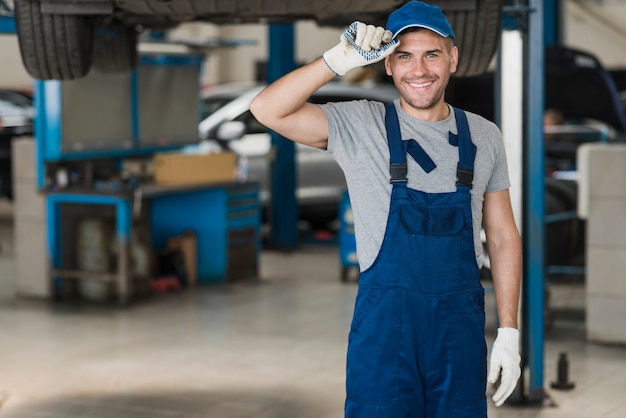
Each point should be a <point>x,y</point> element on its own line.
<point>283,105</point>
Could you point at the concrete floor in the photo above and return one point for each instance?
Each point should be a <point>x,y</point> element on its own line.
<point>273,348</point>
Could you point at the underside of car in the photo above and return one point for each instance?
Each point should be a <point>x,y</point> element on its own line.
<point>63,39</point>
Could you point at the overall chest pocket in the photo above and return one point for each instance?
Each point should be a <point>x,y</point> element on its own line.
<point>433,221</point>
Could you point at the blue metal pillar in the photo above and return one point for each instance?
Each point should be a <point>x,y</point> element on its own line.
<point>552,22</point>
<point>534,207</point>
<point>284,206</point>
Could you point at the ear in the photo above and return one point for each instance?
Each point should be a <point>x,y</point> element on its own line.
<point>454,58</point>
<point>388,65</point>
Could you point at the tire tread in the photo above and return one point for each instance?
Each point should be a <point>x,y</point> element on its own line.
<point>53,47</point>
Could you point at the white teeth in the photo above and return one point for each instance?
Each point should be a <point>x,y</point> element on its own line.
<point>420,85</point>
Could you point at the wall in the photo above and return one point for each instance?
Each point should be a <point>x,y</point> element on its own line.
<point>12,73</point>
<point>599,28</point>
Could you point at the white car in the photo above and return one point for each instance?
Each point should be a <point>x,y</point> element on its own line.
<point>228,122</point>
<point>17,115</point>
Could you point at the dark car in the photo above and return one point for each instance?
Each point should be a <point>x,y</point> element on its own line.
<point>62,39</point>
<point>587,96</point>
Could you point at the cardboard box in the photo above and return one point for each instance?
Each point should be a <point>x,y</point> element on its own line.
<point>177,168</point>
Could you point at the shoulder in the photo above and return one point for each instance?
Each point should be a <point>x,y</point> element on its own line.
<point>352,125</point>
<point>482,124</point>
<point>485,133</point>
<point>354,116</point>
<point>354,108</point>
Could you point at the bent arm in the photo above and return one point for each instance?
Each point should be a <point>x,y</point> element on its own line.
<point>504,247</point>
<point>282,106</point>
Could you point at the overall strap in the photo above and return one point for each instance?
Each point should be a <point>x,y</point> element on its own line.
<point>418,153</point>
<point>467,151</point>
<point>397,149</point>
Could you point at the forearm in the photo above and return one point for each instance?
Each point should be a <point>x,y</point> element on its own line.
<point>506,271</point>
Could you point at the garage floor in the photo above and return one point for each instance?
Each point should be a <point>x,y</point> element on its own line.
<point>273,348</point>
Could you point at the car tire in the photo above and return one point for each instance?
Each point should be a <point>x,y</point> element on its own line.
<point>114,48</point>
<point>53,46</point>
<point>477,34</point>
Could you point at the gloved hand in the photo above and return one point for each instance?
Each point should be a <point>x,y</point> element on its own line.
<point>505,356</point>
<point>359,45</point>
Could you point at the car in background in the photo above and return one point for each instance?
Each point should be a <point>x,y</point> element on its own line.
<point>593,110</point>
<point>228,123</point>
<point>63,40</point>
<point>17,115</point>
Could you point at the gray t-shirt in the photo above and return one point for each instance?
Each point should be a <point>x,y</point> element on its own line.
<point>357,141</point>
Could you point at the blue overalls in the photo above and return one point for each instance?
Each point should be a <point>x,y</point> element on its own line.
<point>416,346</point>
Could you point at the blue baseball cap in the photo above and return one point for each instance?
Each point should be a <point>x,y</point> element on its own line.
<point>419,14</point>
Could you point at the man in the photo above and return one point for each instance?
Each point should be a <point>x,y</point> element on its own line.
<point>416,346</point>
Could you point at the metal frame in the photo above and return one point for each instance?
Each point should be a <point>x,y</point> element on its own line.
<point>48,128</point>
<point>49,108</point>
<point>123,221</point>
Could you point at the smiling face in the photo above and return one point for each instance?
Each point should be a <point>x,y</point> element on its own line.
<point>420,67</point>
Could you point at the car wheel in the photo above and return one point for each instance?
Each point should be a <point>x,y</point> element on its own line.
<point>477,33</point>
<point>53,46</point>
<point>114,48</point>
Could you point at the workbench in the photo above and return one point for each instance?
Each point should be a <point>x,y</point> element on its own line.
<point>225,218</point>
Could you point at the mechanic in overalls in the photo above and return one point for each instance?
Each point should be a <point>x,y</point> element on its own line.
<point>423,177</point>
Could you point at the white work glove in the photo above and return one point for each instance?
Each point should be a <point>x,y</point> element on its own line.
<point>505,356</point>
<point>359,45</point>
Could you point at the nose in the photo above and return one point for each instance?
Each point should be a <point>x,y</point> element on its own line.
<point>418,68</point>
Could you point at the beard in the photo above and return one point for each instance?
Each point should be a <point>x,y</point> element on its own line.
<point>423,102</point>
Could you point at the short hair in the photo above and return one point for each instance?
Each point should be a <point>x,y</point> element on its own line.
<point>449,41</point>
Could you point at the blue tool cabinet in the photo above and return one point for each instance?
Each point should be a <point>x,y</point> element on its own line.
<point>225,218</point>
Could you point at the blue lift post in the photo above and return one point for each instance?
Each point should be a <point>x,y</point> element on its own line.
<point>284,206</point>
<point>552,22</point>
<point>534,206</point>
